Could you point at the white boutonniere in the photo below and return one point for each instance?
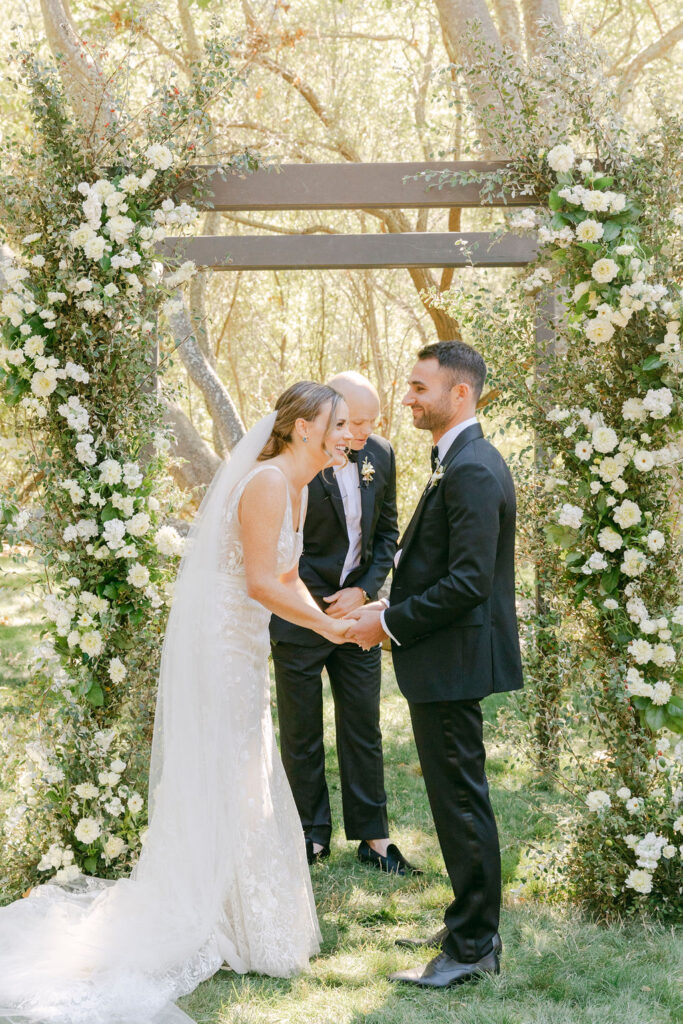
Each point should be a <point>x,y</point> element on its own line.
<point>367,471</point>
<point>436,476</point>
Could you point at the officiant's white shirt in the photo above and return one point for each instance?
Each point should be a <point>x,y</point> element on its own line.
<point>348,481</point>
<point>442,446</point>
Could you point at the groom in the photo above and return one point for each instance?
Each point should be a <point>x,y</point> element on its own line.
<point>452,623</point>
<point>349,542</point>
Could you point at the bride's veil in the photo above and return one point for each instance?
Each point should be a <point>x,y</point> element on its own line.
<point>117,952</point>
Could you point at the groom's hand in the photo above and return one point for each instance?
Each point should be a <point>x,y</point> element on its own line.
<point>344,601</point>
<point>367,630</point>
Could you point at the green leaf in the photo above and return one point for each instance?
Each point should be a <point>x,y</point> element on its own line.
<point>563,536</point>
<point>655,717</point>
<point>111,590</point>
<point>609,580</point>
<point>652,363</point>
<point>554,201</point>
<point>95,696</point>
<point>605,182</point>
<point>90,864</point>
<point>611,230</point>
<point>573,558</point>
<point>109,512</point>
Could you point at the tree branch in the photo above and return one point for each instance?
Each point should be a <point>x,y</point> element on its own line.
<point>655,51</point>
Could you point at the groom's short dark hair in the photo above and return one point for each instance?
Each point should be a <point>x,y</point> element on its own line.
<point>464,362</point>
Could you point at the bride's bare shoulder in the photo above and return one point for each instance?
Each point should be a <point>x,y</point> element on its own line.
<point>265,495</point>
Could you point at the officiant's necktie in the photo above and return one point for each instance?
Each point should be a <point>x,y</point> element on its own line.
<point>352,455</point>
<point>435,457</point>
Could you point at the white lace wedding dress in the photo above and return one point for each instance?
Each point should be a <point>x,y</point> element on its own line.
<point>223,874</point>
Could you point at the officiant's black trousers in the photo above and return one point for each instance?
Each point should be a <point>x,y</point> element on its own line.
<point>449,740</point>
<point>355,678</point>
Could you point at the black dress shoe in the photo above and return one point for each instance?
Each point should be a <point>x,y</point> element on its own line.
<point>394,863</point>
<point>438,938</point>
<point>444,972</point>
<point>315,856</point>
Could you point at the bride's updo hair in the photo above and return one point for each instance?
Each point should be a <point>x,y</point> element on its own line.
<point>302,400</point>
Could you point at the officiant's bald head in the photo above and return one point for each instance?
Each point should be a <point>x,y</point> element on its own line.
<point>362,398</point>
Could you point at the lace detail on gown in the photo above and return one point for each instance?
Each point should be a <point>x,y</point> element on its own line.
<point>120,953</point>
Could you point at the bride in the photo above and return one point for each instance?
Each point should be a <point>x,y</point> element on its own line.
<point>223,875</point>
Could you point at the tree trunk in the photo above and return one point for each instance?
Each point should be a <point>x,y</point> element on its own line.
<point>193,462</point>
<point>219,403</point>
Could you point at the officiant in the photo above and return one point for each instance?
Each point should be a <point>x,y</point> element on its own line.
<point>350,537</point>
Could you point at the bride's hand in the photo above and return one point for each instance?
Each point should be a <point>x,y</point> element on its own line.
<point>336,630</point>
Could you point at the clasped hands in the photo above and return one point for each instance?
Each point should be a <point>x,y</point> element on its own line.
<point>362,621</point>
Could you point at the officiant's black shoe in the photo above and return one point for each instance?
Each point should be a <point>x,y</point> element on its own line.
<point>394,863</point>
<point>437,939</point>
<point>445,972</point>
<point>315,856</point>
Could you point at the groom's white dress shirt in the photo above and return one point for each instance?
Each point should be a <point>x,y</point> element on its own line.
<point>442,446</point>
<point>348,482</point>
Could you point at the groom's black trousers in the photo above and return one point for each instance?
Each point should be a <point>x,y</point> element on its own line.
<point>450,745</point>
<point>355,679</point>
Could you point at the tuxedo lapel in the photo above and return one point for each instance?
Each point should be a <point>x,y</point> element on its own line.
<point>329,484</point>
<point>367,504</point>
<point>468,435</point>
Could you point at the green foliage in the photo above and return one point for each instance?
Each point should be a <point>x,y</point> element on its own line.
<point>602,396</point>
<point>83,207</point>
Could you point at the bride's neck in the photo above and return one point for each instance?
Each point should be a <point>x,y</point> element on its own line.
<point>299,465</point>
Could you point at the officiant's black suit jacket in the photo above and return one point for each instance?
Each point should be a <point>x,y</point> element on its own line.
<point>326,540</point>
<point>452,602</point>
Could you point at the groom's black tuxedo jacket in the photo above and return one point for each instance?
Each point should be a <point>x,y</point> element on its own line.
<point>326,540</point>
<point>452,602</point>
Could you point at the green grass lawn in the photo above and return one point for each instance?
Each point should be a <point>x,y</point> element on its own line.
<point>558,968</point>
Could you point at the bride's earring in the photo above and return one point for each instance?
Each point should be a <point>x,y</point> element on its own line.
<point>305,440</point>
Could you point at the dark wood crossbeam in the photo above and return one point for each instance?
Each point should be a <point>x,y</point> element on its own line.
<point>348,252</point>
<point>349,186</point>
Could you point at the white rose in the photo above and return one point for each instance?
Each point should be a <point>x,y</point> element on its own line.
<point>643,461</point>
<point>160,157</point>
<point>597,562</point>
<point>669,851</point>
<point>610,604</point>
<point>604,270</point>
<point>583,451</point>
<point>635,562</point>
<point>655,540</point>
<point>120,228</point>
<point>117,673</point>
<point>43,383</point>
<point>113,532</point>
<point>627,514</point>
<point>91,643</point>
<point>598,801</point>
<point>609,539</point>
<point>168,541</point>
<point>624,793</point>
<point>662,655</point>
<point>138,525</point>
<point>658,402</point>
<point>110,471</point>
<point>135,804</point>
<point>94,247</point>
<point>570,515</point>
<point>595,201</point>
<point>639,880</point>
<point>604,439</point>
<point>560,158</point>
<point>633,805</point>
<point>113,847</point>
<point>661,691</point>
<point>87,831</point>
<point>138,575</point>
<point>599,330</point>
<point>86,791</point>
<point>589,230</point>
<point>640,651</point>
